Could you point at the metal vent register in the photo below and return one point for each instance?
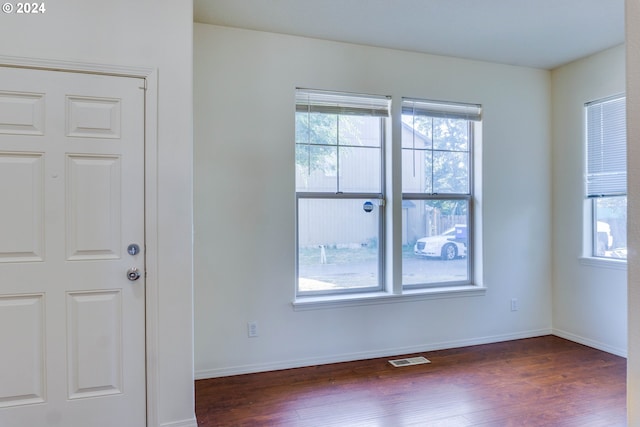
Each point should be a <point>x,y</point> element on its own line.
<point>409,361</point>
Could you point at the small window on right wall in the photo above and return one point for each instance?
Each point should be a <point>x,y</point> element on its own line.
<point>606,176</point>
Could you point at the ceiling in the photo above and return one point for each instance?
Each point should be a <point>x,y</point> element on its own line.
<point>533,33</point>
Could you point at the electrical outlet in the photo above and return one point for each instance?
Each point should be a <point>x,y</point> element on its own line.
<point>514,304</point>
<point>252,329</point>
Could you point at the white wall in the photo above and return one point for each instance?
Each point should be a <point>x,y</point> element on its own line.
<point>244,202</point>
<point>632,13</point>
<point>152,34</point>
<point>589,301</point>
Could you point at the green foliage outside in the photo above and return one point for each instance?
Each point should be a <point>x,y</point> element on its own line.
<point>445,143</point>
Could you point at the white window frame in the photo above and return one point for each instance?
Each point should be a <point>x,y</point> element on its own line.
<point>391,289</point>
<point>447,110</point>
<point>605,174</point>
<point>343,104</point>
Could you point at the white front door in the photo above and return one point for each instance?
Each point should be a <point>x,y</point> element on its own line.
<point>72,323</point>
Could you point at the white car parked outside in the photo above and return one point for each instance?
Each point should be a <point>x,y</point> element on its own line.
<point>447,245</point>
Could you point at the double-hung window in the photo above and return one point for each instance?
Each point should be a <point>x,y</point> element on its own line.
<point>437,192</point>
<point>339,157</point>
<point>606,177</point>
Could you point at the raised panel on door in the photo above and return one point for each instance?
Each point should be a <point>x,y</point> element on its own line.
<point>93,117</point>
<point>22,195</point>
<point>23,346</point>
<point>93,207</point>
<point>94,331</point>
<point>22,113</point>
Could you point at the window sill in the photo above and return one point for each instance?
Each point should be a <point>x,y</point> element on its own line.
<point>615,264</point>
<point>352,300</point>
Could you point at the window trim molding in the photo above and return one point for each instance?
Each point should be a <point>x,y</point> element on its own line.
<point>610,263</point>
<point>376,298</point>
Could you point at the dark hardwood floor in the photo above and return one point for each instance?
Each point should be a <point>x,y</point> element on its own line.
<point>544,381</point>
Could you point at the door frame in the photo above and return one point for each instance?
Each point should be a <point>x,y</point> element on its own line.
<point>150,79</point>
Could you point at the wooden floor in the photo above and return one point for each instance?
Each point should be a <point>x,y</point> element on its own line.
<point>545,381</point>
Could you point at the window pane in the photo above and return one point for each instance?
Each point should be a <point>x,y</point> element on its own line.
<point>450,172</point>
<point>316,128</point>
<point>337,245</point>
<point>316,168</point>
<point>435,242</point>
<point>338,153</point>
<point>360,170</point>
<point>417,132</point>
<point>450,134</point>
<point>610,230</point>
<point>416,171</point>
<point>359,131</point>
<point>435,155</point>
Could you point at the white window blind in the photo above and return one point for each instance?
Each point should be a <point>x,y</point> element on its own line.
<point>438,109</point>
<point>315,101</point>
<point>606,148</point>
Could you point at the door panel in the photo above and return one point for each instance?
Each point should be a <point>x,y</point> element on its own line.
<point>22,113</point>
<point>93,117</point>
<point>22,195</point>
<point>72,194</point>
<point>94,322</point>
<point>23,380</point>
<point>93,207</point>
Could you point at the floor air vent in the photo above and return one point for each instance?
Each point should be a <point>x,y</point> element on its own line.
<point>409,361</point>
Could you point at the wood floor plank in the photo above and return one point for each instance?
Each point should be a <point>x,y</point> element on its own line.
<point>544,381</point>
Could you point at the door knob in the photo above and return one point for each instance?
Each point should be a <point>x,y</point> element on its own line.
<point>133,249</point>
<point>133,274</point>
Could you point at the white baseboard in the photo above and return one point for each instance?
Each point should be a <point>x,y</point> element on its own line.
<point>622,352</point>
<point>191,422</point>
<point>297,363</point>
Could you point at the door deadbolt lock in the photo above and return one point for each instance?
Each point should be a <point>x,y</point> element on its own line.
<point>133,274</point>
<point>133,249</point>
